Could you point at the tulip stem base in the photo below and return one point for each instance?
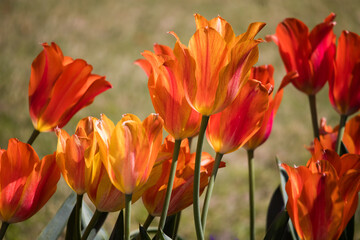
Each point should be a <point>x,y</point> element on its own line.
<point>170,184</point>
<point>176,225</point>
<point>77,224</point>
<point>128,198</point>
<point>250,154</point>
<point>4,227</point>
<point>314,118</point>
<point>209,190</point>
<point>343,119</point>
<point>196,193</point>
<point>92,224</point>
<point>33,136</point>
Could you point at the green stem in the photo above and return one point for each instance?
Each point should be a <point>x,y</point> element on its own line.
<point>128,198</point>
<point>91,224</point>
<point>314,118</point>
<point>176,227</point>
<point>343,119</point>
<point>250,154</point>
<point>148,221</point>
<point>77,224</point>
<point>118,230</point>
<point>4,227</point>
<point>170,184</point>
<point>210,188</point>
<point>196,193</point>
<point>33,136</point>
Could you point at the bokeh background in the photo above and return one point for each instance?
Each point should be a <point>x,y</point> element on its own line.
<point>110,35</point>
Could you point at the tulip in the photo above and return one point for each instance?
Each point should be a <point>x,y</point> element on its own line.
<point>219,64</point>
<point>264,74</point>
<point>343,87</point>
<point>324,195</point>
<point>75,155</point>
<point>26,183</point>
<point>311,55</point>
<point>181,197</point>
<point>166,74</point>
<point>59,87</point>
<point>216,76</point>
<point>232,128</point>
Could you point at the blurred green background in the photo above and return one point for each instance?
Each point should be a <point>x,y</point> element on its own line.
<point>110,35</point>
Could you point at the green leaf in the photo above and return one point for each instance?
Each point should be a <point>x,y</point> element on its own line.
<point>143,233</point>
<point>163,236</point>
<point>86,215</point>
<point>57,224</point>
<point>277,228</point>
<point>283,179</point>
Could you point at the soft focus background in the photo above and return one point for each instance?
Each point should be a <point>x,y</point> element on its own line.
<point>110,35</point>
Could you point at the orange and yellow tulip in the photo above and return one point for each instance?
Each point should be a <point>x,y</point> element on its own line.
<point>166,71</point>
<point>75,155</point>
<point>344,86</point>
<point>233,127</point>
<point>324,195</point>
<point>182,191</point>
<point>26,183</point>
<point>264,74</point>
<point>311,55</point>
<point>131,150</point>
<point>59,87</point>
<point>218,62</point>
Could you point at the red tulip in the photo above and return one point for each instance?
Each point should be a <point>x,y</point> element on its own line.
<point>233,127</point>
<point>59,87</point>
<point>182,191</point>
<point>264,74</point>
<point>26,183</point>
<point>219,63</point>
<point>166,72</point>
<point>309,54</point>
<point>324,195</point>
<point>344,88</point>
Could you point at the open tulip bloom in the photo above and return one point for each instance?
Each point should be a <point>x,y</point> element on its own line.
<point>59,87</point>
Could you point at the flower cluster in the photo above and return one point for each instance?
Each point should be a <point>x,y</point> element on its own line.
<point>206,88</point>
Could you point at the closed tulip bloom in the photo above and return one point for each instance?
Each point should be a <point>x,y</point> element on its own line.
<point>219,63</point>
<point>324,195</point>
<point>344,88</point>
<point>26,183</point>
<point>182,191</point>
<point>310,54</point>
<point>130,152</point>
<point>264,74</point>
<point>166,71</point>
<point>233,127</point>
<point>75,155</point>
<point>59,87</point>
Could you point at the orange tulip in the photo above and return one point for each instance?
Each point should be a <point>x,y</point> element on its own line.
<point>59,87</point>
<point>324,195</point>
<point>343,88</point>
<point>26,183</point>
<point>218,63</point>
<point>166,73</point>
<point>130,152</point>
<point>75,155</point>
<point>309,54</point>
<point>264,74</point>
<point>182,191</point>
<point>232,128</point>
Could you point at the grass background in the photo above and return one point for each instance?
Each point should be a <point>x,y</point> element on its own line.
<point>110,35</point>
